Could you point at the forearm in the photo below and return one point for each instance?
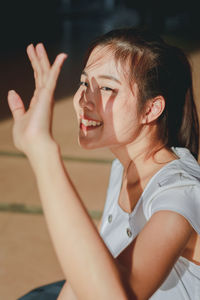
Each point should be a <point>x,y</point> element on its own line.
<point>84,258</point>
<point>67,293</point>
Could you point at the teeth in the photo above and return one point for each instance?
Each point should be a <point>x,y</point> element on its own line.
<point>90,122</point>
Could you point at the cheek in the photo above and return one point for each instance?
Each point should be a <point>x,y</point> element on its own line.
<point>106,103</point>
<point>125,117</point>
<point>76,100</point>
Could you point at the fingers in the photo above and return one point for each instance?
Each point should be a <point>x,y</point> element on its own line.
<point>43,72</point>
<point>33,57</point>
<point>45,75</point>
<point>55,71</point>
<point>16,105</point>
<point>43,58</point>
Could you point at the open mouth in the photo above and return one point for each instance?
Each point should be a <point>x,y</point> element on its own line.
<point>87,124</point>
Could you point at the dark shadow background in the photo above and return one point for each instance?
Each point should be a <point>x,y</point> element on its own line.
<point>70,25</point>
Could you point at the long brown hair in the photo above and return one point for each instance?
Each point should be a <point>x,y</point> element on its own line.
<point>158,69</point>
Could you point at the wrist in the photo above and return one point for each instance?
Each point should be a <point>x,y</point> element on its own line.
<point>42,153</point>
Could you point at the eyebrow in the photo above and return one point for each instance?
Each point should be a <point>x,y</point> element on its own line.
<point>109,77</point>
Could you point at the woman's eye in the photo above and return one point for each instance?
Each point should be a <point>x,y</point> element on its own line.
<point>83,83</point>
<point>105,88</point>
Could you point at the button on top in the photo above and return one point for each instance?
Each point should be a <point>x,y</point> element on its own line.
<point>129,233</point>
<point>110,218</point>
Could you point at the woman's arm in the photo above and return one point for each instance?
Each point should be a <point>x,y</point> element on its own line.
<point>67,293</point>
<point>150,258</point>
<point>86,262</point>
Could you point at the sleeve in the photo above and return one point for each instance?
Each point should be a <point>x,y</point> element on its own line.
<point>184,200</point>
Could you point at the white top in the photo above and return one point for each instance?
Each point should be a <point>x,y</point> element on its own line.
<point>174,187</point>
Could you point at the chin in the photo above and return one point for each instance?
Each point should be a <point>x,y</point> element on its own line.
<point>87,145</point>
<point>90,145</point>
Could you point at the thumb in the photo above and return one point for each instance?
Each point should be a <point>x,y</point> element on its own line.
<point>15,104</point>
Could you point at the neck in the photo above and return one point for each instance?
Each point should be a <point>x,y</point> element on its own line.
<point>139,150</point>
<point>143,154</point>
<point>128,154</point>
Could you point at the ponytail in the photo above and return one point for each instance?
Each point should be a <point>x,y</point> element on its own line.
<point>189,131</point>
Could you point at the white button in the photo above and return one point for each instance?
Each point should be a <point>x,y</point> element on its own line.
<point>129,233</point>
<point>109,218</point>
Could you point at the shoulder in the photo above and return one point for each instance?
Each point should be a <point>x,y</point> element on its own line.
<point>115,175</point>
<point>176,188</point>
<point>116,166</point>
<point>181,173</point>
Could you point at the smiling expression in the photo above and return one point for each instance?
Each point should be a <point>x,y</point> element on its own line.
<point>105,103</point>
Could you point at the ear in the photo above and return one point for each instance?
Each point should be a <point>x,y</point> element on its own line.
<point>153,110</point>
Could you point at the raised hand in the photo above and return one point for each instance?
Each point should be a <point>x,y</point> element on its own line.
<point>32,128</point>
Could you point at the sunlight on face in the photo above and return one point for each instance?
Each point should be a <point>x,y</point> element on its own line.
<point>105,104</point>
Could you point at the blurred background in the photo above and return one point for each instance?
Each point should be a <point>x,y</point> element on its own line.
<point>70,25</point>
<point>27,258</point>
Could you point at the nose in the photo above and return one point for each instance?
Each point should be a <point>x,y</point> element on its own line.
<point>86,101</point>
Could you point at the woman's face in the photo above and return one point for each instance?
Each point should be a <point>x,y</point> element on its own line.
<point>105,104</point>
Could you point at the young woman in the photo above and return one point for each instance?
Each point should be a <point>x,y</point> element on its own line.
<point>135,97</point>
